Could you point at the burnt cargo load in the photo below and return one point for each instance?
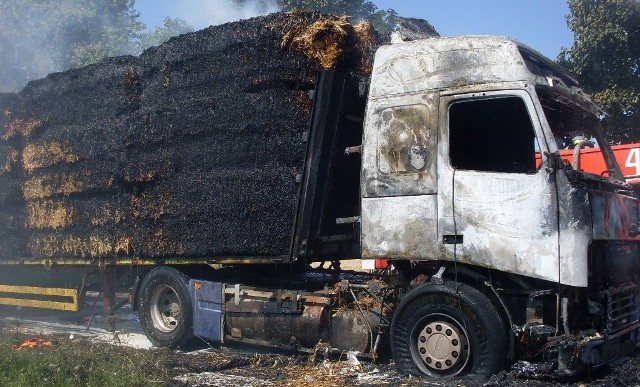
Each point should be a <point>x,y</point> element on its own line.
<point>196,148</point>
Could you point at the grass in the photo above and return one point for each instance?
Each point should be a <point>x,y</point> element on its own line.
<point>79,363</point>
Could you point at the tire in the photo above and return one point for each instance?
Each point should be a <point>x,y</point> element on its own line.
<point>446,330</point>
<point>165,307</point>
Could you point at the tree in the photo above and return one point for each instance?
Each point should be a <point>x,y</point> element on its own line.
<point>169,28</point>
<point>605,57</point>
<point>42,36</point>
<point>382,20</point>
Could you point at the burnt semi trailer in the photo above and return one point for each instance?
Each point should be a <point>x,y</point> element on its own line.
<point>230,159</point>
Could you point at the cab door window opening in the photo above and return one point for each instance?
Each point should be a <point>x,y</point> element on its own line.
<point>493,135</point>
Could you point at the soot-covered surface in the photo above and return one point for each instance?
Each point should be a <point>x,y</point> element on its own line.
<point>191,149</point>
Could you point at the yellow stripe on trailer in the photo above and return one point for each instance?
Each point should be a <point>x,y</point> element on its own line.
<point>46,301</point>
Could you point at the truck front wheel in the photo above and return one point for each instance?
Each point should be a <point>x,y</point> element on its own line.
<point>165,307</point>
<point>445,330</point>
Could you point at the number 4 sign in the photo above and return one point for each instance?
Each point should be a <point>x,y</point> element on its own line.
<point>633,161</point>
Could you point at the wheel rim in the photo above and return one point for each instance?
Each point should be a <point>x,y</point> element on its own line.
<point>440,345</point>
<point>165,308</point>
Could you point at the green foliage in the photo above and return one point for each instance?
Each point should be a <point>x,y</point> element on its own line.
<point>169,28</point>
<point>38,37</point>
<point>606,59</point>
<point>382,20</point>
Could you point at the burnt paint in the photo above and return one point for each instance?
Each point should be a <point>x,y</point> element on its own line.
<point>399,146</point>
<point>614,216</point>
<point>574,222</point>
<point>404,140</point>
<point>535,225</point>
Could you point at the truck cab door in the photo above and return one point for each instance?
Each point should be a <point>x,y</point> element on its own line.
<point>399,180</point>
<point>497,205</point>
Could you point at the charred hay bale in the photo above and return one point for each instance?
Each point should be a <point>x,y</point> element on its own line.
<point>234,211</point>
<point>9,158</point>
<point>249,212</point>
<point>10,191</point>
<point>212,183</point>
<point>20,128</point>
<point>61,244</point>
<point>219,61</point>
<point>79,227</point>
<point>79,96</point>
<point>152,130</point>
<point>246,130</point>
<point>61,147</point>
<point>47,153</point>
<point>12,240</point>
<point>334,43</point>
<point>12,216</point>
<point>85,178</point>
<point>7,106</point>
<point>10,175</point>
<point>13,243</point>
<point>76,160</point>
<point>231,213</point>
<point>193,149</point>
<point>78,213</point>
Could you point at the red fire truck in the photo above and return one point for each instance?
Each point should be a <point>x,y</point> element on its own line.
<point>590,160</point>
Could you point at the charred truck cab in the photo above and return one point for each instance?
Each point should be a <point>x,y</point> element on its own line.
<point>507,249</point>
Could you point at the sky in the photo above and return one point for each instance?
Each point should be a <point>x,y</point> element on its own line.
<point>540,24</point>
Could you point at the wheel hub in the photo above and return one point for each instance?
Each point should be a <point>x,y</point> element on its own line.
<point>440,345</point>
<point>165,308</point>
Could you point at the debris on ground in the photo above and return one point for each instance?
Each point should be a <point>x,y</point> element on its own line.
<point>203,365</point>
<point>34,343</point>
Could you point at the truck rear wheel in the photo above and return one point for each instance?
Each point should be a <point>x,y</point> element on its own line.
<point>165,307</point>
<point>445,330</point>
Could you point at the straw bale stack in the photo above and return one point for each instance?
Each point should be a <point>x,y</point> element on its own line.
<point>190,150</point>
<point>83,95</point>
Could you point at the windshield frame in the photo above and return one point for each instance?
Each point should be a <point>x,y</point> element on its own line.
<point>575,100</point>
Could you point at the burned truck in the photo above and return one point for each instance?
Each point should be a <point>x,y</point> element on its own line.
<point>207,174</point>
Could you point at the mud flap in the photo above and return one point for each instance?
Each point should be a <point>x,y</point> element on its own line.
<point>207,309</point>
